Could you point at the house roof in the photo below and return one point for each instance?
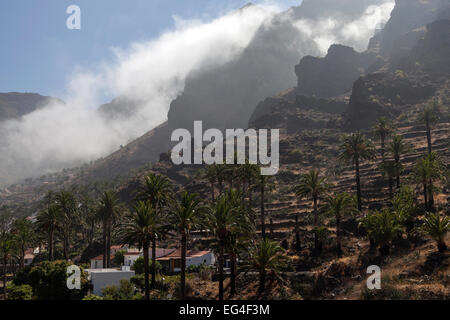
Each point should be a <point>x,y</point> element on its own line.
<point>100,257</point>
<point>176,254</point>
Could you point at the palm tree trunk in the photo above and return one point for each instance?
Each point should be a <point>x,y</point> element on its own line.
<point>316,220</point>
<point>263,218</point>
<point>358,184</point>
<point>104,244</point>
<point>382,150</point>
<point>338,237</point>
<point>183,265</point>
<point>431,196</point>
<point>442,247</point>
<point>297,235</point>
<point>212,192</point>
<point>428,136</point>
<point>5,270</point>
<point>50,246</point>
<point>221,262</point>
<point>108,246</point>
<point>22,257</point>
<point>271,228</point>
<point>65,247</point>
<point>262,280</point>
<point>153,263</point>
<point>391,192</point>
<point>146,272</point>
<point>425,196</point>
<point>233,274</point>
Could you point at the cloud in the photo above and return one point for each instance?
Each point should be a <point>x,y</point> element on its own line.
<point>152,74</point>
<point>355,33</point>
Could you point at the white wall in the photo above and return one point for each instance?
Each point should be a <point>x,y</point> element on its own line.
<point>102,279</point>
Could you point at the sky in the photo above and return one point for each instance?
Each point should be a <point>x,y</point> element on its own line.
<point>39,54</point>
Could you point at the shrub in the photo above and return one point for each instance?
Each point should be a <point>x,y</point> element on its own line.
<point>20,292</point>
<point>125,291</point>
<point>138,266</point>
<point>49,281</point>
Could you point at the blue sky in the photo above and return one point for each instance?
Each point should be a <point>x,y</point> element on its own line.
<point>38,52</point>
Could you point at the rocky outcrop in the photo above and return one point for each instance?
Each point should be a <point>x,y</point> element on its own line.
<point>383,94</point>
<point>332,75</point>
<point>409,15</point>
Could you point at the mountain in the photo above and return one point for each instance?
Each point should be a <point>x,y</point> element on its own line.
<point>15,104</point>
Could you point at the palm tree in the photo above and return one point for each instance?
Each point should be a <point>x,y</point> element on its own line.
<point>108,211</point>
<point>139,229</point>
<point>248,173</point>
<point>222,221</point>
<point>186,216</point>
<point>339,205</point>
<point>67,205</point>
<point>157,189</point>
<point>238,236</point>
<point>6,250</point>
<point>430,116</point>
<point>47,221</point>
<point>268,258</point>
<point>390,169</point>
<point>382,227</point>
<point>22,229</point>
<point>354,149</point>
<point>382,129</point>
<point>264,183</point>
<point>397,148</point>
<point>426,170</point>
<point>210,174</point>
<point>313,185</point>
<point>437,228</point>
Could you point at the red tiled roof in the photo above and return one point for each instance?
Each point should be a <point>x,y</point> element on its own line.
<point>100,257</point>
<point>189,254</point>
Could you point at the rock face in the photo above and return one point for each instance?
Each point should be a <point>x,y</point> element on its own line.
<point>409,15</point>
<point>332,75</point>
<point>16,104</point>
<point>383,94</point>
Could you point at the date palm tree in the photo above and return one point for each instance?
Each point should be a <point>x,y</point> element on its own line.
<point>108,211</point>
<point>268,258</point>
<point>397,148</point>
<point>340,205</point>
<point>313,185</point>
<point>437,228</point>
<point>210,174</point>
<point>47,221</point>
<point>382,130</point>
<point>67,205</point>
<point>222,221</point>
<point>425,172</point>
<point>430,116</point>
<point>186,215</point>
<point>354,149</point>
<point>158,190</point>
<point>264,183</point>
<point>390,169</point>
<point>22,229</point>
<point>140,228</point>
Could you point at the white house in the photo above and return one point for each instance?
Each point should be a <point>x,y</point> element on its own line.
<point>131,256</point>
<point>101,278</point>
<point>172,261</point>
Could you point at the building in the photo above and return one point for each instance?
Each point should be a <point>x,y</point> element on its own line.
<point>131,256</point>
<point>101,278</point>
<point>172,262</point>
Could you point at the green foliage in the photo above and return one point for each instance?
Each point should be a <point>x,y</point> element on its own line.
<point>92,297</point>
<point>49,281</point>
<point>118,257</point>
<point>20,292</point>
<point>382,227</point>
<point>437,228</point>
<point>138,266</point>
<point>404,204</point>
<point>125,291</point>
